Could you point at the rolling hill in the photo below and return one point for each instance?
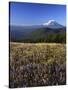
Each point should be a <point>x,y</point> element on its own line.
<point>47,32</point>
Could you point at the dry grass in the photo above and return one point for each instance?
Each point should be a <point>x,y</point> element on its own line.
<point>39,64</point>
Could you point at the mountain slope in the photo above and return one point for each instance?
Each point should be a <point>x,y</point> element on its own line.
<point>48,32</point>
<point>53,24</point>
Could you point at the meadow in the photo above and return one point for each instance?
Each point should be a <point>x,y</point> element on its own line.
<point>37,64</point>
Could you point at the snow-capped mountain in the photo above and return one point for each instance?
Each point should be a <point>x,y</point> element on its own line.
<point>53,24</point>
<point>37,32</point>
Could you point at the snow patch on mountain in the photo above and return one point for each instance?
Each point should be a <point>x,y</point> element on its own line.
<point>52,24</point>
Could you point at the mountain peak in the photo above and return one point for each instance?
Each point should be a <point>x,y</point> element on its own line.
<point>52,24</point>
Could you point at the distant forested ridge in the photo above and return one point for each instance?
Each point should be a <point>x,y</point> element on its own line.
<point>34,35</point>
